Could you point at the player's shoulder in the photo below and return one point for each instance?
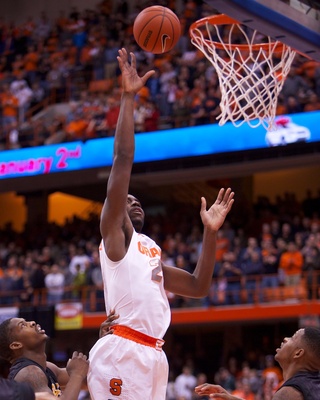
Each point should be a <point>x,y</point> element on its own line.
<point>29,373</point>
<point>288,392</point>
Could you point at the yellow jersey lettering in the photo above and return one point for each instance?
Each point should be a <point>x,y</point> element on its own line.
<point>56,389</point>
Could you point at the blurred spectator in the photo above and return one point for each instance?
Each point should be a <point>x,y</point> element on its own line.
<point>184,384</point>
<point>38,95</point>
<point>225,379</point>
<point>96,54</point>
<point>78,282</point>
<point>167,79</point>
<point>110,58</point>
<point>170,393</point>
<point>291,263</point>
<point>43,27</point>
<point>311,267</point>
<point>270,264</point>
<point>80,258</point>
<point>94,277</point>
<point>252,269</point>
<point>10,107</point>
<point>243,390</point>
<point>154,85</point>
<point>55,82</point>
<point>293,106</point>
<point>312,103</point>
<point>252,246</point>
<point>25,288</point>
<point>222,245</point>
<point>113,109</point>
<point>151,122</point>
<point>272,377</point>
<point>294,85</point>
<point>37,275</point>
<point>232,272</point>
<point>286,232</point>
<point>31,60</point>
<point>7,287</point>
<point>13,136</point>
<point>54,282</point>
<point>201,379</point>
<point>77,128</point>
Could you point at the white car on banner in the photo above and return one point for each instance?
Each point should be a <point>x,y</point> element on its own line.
<point>287,132</point>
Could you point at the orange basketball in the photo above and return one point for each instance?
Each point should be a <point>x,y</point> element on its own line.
<point>156,29</point>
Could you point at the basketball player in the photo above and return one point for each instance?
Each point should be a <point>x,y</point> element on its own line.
<point>11,390</point>
<point>130,364</point>
<point>23,343</point>
<point>299,358</point>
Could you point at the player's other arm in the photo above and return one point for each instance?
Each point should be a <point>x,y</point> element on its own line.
<point>198,283</point>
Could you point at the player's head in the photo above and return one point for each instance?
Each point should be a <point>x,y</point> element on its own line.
<point>302,349</point>
<point>18,335</point>
<point>135,212</point>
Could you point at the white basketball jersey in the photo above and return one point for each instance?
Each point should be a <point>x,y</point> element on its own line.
<point>134,287</point>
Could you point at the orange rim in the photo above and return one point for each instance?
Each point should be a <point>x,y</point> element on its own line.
<point>223,19</point>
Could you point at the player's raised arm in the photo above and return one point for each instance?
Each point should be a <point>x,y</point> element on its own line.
<point>198,283</point>
<point>115,225</point>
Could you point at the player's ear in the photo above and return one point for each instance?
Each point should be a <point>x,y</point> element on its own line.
<point>299,353</point>
<point>15,345</point>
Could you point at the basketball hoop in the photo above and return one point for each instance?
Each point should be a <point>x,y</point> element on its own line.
<point>251,75</point>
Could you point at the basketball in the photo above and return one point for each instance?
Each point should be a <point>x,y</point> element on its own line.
<point>156,29</point>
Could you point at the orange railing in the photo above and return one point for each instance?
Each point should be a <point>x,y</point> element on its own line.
<point>92,298</point>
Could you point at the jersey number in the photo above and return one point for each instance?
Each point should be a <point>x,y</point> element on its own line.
<point>156,270</point>
<point>115,386</point>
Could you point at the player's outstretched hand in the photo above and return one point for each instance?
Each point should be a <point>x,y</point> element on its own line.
<point>214,392</point>
<point>131,81</point>
<point>215,216</point>
<point>106,326</point>
<point>78,365</point>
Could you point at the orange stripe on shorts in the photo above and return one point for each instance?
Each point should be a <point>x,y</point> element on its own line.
<point>138,337</point>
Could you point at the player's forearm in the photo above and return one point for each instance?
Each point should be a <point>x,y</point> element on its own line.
<point>72,389</point>
<point>124,137</point>
<point>205,266</point>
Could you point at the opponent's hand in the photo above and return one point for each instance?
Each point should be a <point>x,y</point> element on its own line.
<point>78,365</point>
<point>215,216</point>
<point>131,81</point>
<point>214,392</point>
<point>106,326</point>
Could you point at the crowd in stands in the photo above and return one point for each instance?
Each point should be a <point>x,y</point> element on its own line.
<point>279,248</point>
<point>72,60</point>
<point>250,381</point>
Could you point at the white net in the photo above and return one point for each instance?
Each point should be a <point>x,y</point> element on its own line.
<point>250,75</point>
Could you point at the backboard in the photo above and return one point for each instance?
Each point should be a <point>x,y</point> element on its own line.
<point>295,23</point>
